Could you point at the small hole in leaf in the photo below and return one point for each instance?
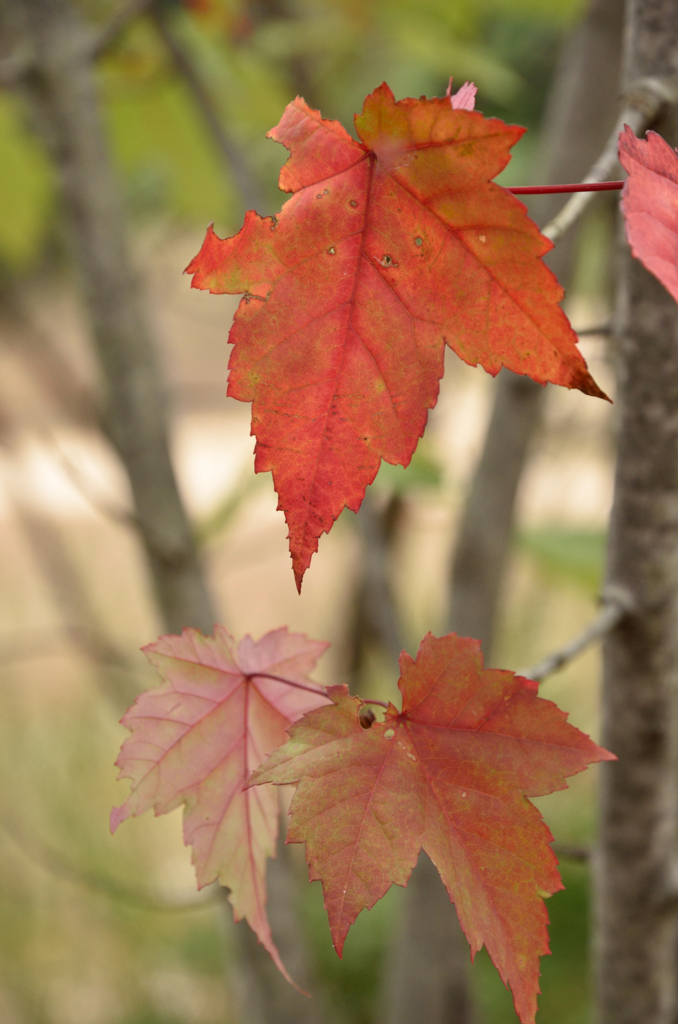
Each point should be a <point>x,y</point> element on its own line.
<point>331,250</point>
<point>482,238</point>
<point>389,734</point>
<point>387,261</point>
<point>326,191</point>
<point>418,241</point>
<point>352,202</point>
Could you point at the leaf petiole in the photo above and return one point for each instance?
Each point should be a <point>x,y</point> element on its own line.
<point>281,679</point>
<point>302,686</point>
<point>583,186</point>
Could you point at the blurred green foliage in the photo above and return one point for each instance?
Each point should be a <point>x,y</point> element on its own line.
<point>576,556</point>
<point>565,975</point>
<point>252,58</point>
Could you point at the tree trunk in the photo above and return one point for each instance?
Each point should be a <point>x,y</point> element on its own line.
<point>636,904</point>
<point>61,93</point>
<point>582,107</point>
<point>578,118</point>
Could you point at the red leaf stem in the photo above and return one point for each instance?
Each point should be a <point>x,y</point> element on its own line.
<point>289,682</point>
<point>589,186</point>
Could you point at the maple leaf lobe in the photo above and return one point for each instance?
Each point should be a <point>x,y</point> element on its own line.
<point>195,739</point>
<point>447,774</point>
<point>388,249</point>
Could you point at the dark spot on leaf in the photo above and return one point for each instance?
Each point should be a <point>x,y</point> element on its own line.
<point>366,717</point>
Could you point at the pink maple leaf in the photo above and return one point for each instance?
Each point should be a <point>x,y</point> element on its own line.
<point>196,739</point>
<point>464,98</point>
<point>650,204</point>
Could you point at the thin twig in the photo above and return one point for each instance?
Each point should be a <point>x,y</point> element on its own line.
<point>62,866</point>
<point>601,329</point>
<point>128,12</point>
<point>571,851</point>
<point>223,514</point>
<point>643,103</point>
<point>616,603</point>
<point>101,504</point>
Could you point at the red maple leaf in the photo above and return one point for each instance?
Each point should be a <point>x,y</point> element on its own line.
<point>450,774</point>
<point>196,739</point>
<point>650,204</point>
<point>390,248</point>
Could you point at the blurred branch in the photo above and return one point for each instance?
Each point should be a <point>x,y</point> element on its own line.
<point>602,329</point>
<point>14,68</point>
<point>62,866</point>
<point>375,612</point>
<point>128,12</point>
<point>571,851</point>
<point>109,509</point>
<point>232,157</point>
<point>72,598</point>
<point>617,603</point>
<point>217,520</point>
<point>644,102</point>
<point>35,643</point>
<point>55,373</point>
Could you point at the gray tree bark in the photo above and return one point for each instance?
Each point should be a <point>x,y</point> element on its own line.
<point>62,99</point>
<point>578,119</point>
<point>59,87</point>
<point>636,899</point>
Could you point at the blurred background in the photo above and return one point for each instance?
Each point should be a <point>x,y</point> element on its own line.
<point>101,930</point>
